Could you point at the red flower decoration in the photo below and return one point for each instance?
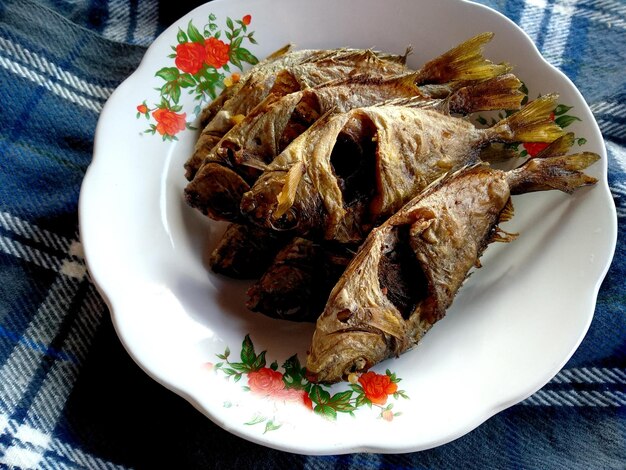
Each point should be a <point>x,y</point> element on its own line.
<point>169,122</point>
<point>246,20</point>
<point>142,108</point>
<point>294,395</point>
<point>216,52</point>
<point>189,57</point>
<point>377,387</point>
<point>266,381</point>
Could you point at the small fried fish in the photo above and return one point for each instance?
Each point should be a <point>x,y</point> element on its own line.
<point>282,74</point>
<point>409,269</point>
<point>248,148</point>
<point>350,171</point>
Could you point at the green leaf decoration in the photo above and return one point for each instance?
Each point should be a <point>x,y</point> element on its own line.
<point>561,109</point>
<point>194,34</point>
<point>566,120</point>
<point>230,24</point>
<point>175,92</point>
<point>186,80</point>
<point>341,402</point>
<point>181,37</point>
<point>212,27</point>
<point>256,420</point>
<point>326,411</point>
<point>212,17</point>
<point>236,43</point>
<point>274,366</point>
<point>168,73</point>
<point>271,426</point>
<point>362,400</point>
<point>294,373</point>
<point>582,141</point>
<point>234,59</point>
<point>259,362</point>
<point>246,56</point>
<point>319,395</point>
<point>248,355</point>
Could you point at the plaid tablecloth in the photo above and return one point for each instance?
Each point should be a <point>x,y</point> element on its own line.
<point>70,396</point>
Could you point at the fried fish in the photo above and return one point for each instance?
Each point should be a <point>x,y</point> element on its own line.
<point>245,251</point>
<point>409,269</point>
<point>282,73</point>
<point>247,149</point>
<point>298,70</point>
<point>350,171</point>
<point>297,283</point>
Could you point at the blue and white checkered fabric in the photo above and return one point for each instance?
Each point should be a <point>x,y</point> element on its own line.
<point>70,397</point>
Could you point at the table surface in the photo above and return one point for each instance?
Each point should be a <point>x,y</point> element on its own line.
<point>71,397</point>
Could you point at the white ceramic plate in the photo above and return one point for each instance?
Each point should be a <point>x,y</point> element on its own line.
<point>513,325</point>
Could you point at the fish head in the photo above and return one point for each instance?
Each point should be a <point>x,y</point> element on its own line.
<point>216,191</point>
<point>260,203</point>
<point>334,357</point>
<point>351,337</point>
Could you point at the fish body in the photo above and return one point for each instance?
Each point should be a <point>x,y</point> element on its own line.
<point>281,75</point>
<point>296,285</point>
<point>245,251</point>
<point>408,271</point>
<point>350,171</point>
<point>286,72</point>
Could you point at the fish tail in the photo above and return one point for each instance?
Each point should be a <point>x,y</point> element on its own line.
<point>501,92</point>
<point>463,63</point>
<point>552,170</point>
<point>533,123</point>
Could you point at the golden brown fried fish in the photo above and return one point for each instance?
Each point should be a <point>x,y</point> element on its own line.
<point>409,269</point>
<point>351,171</point>
<point>281,74</point>
<point>246,150</point>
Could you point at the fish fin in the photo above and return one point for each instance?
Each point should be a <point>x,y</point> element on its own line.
<point>561,172</point>
<point>287,196</point>
<point>280,52</point>
<point>559,147</point>
<point>530,124</point>
<point>357,55</point>
<point>501,92</point>
<point>285,83</point>
<point>463,62</point>
<point>507,213</point>
<point>499,235</point>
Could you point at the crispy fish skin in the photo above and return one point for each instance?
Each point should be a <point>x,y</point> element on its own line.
<point>299,70</point>
<point>247,149</point>
<point>409,269</point>
<point>283,74</point>
<point>351,170</point>
<point>296,285</point>
<point>245,251</point>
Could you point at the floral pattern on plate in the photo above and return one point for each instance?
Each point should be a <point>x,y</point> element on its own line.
<point>202,66</point>
<point>370,389</point>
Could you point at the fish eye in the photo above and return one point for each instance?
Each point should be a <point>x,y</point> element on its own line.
<point>288,221</point>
